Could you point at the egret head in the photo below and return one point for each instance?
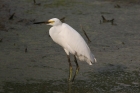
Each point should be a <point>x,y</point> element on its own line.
<point>52,22</point>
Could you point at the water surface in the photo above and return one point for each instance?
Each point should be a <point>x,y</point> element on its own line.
<point>30,62</point>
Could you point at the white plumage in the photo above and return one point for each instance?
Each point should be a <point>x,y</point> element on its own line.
<point>70,40</point>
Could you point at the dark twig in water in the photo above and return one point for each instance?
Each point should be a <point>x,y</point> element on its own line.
<point>103,18</point>
<point>36,3</point>
<point>11,17</point>
<point>63,19</point>
<point>43,56</point>
<point>26,50</point>
<point>117,6</point>
<point>85,34</point>
<point>123,43</point>
<point>106,21</point>
<point>1,39</point>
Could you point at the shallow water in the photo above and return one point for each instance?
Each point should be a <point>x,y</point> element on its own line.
<point>30,62</point>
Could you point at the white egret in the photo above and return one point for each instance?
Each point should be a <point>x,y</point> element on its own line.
<point>71,41</point>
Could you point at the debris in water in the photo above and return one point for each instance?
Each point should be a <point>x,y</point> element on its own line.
<point>26,50</point>
<point>36,3</point>
<point>117,6</point>
<point>106,21</point>
<point>63,19</point>
<point>86,34</point>
<point>11,17</point>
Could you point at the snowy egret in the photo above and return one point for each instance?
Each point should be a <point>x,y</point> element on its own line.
<point>71,41</point>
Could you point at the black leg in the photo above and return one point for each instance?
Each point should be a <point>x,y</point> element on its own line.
<point>77,68</point>
<point>70,68</point>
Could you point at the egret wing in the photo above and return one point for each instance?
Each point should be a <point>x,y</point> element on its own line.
<point>76,43</point>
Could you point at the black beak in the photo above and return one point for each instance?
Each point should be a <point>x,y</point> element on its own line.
<point>45,22</point>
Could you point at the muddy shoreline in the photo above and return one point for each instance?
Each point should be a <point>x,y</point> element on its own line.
<point>31,62</point>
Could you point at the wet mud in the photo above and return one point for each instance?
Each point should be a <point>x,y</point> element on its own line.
<point>30,62</point>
